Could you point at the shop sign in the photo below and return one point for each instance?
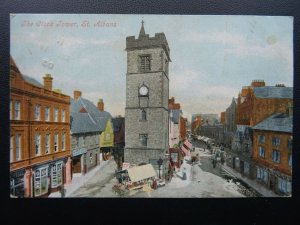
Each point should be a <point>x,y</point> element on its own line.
<point>79,151</point>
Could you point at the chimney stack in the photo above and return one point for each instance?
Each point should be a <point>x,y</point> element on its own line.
<point>77,94</point>
<point>48,82</point>
<point>100,105</point>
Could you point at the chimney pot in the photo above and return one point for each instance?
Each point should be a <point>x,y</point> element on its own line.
<point>100,105</point>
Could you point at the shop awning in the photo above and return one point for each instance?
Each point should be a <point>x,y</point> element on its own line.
<point>139,173</point>
<point>188,144</point>
<point>186,152</point>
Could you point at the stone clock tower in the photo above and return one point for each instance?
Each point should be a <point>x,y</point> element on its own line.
<point>147,94</point>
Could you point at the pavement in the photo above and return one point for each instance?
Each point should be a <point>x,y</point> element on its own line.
<point>79,180</point>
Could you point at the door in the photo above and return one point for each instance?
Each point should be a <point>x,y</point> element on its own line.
<point>76,165</point>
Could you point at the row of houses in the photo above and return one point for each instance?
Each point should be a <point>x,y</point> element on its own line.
<point>257,133</point>
<point>53,136</point>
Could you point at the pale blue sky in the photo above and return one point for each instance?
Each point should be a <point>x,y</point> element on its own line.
<point>212,56</point>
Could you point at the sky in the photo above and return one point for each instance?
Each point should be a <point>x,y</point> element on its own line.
<point>213,57</point>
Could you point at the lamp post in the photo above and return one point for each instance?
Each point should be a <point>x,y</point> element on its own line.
<point>159,162</point>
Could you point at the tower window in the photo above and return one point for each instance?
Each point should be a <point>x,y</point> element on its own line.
<point>143,139</point>
<point>145,63</point>
<point>143,115</point>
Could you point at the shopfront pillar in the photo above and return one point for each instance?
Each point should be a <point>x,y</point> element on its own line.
<point>68,171</point>
<point>27,183</point>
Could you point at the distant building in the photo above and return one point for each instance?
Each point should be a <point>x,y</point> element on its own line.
<point>206,119</point>
<point>230,125</point>
<point>40,160</point>
<point>272,152</point>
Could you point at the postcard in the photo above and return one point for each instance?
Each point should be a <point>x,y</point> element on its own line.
<point>150,106</point>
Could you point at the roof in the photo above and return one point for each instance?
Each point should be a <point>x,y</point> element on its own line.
<point>117,123</point>
<point>175,115</point>
<point>82,123</point>
<point>273,92</point>
<point>97,117</point>
<point>32,81</point>
<point>139,173</point>
<point>277,122</point>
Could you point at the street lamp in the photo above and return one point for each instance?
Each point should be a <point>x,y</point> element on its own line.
<point>159,162</point>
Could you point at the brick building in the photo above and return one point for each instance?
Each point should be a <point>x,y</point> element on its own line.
<point>256,102</point>
<point>39,136</point>
<point>272,152</point>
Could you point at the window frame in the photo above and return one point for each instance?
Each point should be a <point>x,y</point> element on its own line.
<point>143,66</point>
<point>63,141</point>
<point>55,114</point>
<point>47,113</point>
<point>276,156</point>
<point>41,179</point>
<point>275,141</point>
<point>17,110</point>
<point>37,112</point>
<point>143,140</point>
<point>37,144</point>
<point>17,147</point>
<point>57,174</point>
<point>261,150</point>
<point>47,143</point>
<point>55,142</point>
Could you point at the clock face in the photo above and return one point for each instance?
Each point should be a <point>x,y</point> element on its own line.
<point>143,90</point>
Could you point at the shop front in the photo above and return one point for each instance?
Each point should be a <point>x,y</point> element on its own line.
<point>77,160</point>
<point>17,183</point>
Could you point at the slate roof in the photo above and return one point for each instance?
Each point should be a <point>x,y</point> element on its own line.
<point>81,123</point>
<point>117,123</point>
<point>175,115</point>
<point>273,92</point>
<point>277,122</point>
<point>93,115</point>
<point>32,81</point>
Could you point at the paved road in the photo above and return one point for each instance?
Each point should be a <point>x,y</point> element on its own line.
<point>100,185</point>
<point>201,183</point>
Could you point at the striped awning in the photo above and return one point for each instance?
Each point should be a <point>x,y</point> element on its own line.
<point>186,152</point>
<point>188,144</point>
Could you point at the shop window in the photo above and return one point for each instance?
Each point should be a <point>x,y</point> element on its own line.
<point>41,181</point>
<point>262,175</point>
<point>284,186</point>
<point>47,141</point>
<point>276,156</point>
<point>275,141</point>
<point>55,142</point>
<point>37,109</point>
<point>17,107</point>
<point>37,144</point>
<point>261,151</point>
<point>56,175</point>
<point>47,114</point>
<point>17,186</point>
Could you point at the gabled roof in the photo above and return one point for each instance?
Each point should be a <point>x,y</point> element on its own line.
<point>82,123</point>
<point>273,92</point>
<point>97,117</point>
<point>277,122</point>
